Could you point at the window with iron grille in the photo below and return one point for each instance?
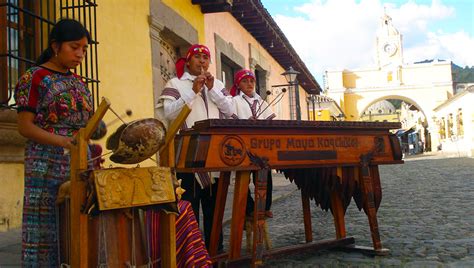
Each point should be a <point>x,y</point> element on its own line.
<point>229,68</point>
<point>24,29</point>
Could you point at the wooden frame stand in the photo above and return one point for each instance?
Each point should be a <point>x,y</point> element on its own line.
<point>79,222</point>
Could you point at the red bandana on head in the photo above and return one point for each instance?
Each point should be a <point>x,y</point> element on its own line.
<point>194,49</point>
<point>237,78</point>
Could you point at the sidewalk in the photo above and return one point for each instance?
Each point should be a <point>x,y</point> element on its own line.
<point>10,242</point>
<point>434,155</point>
<point>10,248</point>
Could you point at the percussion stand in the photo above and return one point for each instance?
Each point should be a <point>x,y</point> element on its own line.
<point>168,221</point>
<point>79,221</point>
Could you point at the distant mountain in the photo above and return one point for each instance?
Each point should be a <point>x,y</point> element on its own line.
<point>429,61</point>
<point>463,75</point>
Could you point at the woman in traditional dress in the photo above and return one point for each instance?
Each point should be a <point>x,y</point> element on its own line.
<point>53,104</point>
<point>249,105</point>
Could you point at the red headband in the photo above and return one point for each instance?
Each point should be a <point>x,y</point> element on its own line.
<point>237,78</point>
<point>194,49</point>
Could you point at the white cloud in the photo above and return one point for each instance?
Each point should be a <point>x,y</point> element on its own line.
<point>340,34</point>
<point>457,47</point>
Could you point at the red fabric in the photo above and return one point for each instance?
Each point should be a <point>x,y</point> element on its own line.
<point>180,67</point>
<point>194,49</point>
<point>96,151</point>
<point>238,76</point>
<point>35,82</point>
<point>190,247</point>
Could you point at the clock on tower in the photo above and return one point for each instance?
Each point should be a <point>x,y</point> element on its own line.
<point>389,43</point>
<point>390,48</point>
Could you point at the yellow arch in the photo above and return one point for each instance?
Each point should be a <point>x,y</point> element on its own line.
<point>398,97</point>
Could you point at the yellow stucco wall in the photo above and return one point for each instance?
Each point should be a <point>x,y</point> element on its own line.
<point>124,54</point>
<point>323,115</point>
<point>425,85</point>
<point>413,74</point>
<point>227,27</point>
<point>11,197</point>
<point>350,106</point>
<point>191,13</point>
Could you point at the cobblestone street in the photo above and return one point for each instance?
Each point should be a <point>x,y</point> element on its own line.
<point>426,219</point>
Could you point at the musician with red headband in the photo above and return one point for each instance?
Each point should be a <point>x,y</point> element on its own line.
<point>249,105</point>
<point>196,87</point>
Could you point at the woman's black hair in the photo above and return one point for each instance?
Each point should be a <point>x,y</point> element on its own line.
<point>65,30</point>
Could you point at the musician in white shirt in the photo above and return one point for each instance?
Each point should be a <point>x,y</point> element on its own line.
<point>249,105</point>
<point>196,87</point>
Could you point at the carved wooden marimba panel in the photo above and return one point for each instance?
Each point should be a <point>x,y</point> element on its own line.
<point>132,187</point>
<point>233,144</point>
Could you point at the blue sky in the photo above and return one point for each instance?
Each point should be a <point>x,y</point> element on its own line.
<point>340,34</point>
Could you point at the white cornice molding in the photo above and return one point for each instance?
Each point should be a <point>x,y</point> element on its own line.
<point>400,87</point>
<point>337,90</point>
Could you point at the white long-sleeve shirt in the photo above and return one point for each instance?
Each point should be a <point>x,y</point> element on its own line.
<point>243,107</point>
<point>207,104</point>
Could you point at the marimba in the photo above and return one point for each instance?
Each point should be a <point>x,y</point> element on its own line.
<point>330,161</point>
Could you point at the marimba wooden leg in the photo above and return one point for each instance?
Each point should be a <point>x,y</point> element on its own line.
<point>308,229</point>
<point>168,239</point>
<point>222,189</point>
<point>369,204</point>
<point>259,216</point>
<point>238,213</point>
<point>337,209</point>
<point>338,215</point>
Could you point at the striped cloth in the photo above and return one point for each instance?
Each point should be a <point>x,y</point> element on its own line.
<point>190,248</point>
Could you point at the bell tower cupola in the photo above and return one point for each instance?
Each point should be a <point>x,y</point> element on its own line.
<point>389,43</point>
